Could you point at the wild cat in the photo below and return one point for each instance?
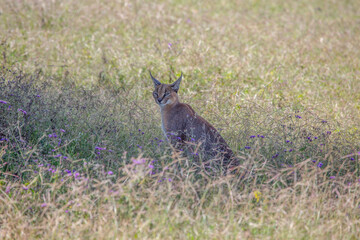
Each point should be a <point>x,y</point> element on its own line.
<point>185,129</point>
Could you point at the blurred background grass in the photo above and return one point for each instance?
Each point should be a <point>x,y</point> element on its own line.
<point>285,70</point>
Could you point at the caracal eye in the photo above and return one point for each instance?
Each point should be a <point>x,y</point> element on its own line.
<point>155,94</point>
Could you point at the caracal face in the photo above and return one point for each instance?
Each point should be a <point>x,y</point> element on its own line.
<point>166,94</point>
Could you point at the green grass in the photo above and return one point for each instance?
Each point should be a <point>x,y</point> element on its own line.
<point>80,71</point>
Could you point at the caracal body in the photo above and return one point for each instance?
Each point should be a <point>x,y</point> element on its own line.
<point>185,129</point>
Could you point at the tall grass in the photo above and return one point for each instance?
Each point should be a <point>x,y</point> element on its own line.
<point>82,155</point>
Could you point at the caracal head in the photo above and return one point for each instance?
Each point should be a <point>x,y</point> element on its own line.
<point>166,94</point>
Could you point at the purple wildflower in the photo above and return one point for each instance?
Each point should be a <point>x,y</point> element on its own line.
<point>62,130</point>
<point>192,139</point>
<point>7,189</point>
<point>138,162</point>
<point>59,155</point>
<point>290,150</point>
<point>252,136</point>
<point>320,164</point>
<point>4,102</point>
<point>170,180</point>
<point>247,147</point>
<point>297,116</point>
<point>169,45</point>
<point>328,132</point>
<point>100,148</point>
<point>53,135</point>
<point>44,205</point>
<point>9,107</point>
<point>352,159</point>
<point>23,111</point>
<point>332,177</point>
<point>110,173</point>
<point>151,166</point>
<point>38,95</point>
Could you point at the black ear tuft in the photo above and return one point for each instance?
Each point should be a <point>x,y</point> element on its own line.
<point>156,82</point>
<point>176,85</point>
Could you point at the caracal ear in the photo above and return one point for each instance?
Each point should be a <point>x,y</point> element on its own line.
<point>156,82</point>
<point>176,85</point>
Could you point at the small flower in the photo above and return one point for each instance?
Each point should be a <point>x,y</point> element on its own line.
<point>38,96</point>
<point>100,148</point>
<point>287,141</point>
<point>352,159</point>
<point>247,147</point>
<point>192,139</point>
<point>170,180</point>
<point>252,136</point>
<point>44,205</point>
<point>151,166</point>
<point>332,177</point>
<point>59,155</point>
<point>320,164</point>
<point>110,173</point>
<point>7,189</point>
<point>9,107</point>
<point>23,111</point>
<point>297,116</point>
<point>328,132</point>
<point>62,130</point>
<point>290,150</point>
<point>257,195</point>
<point>3,102</point>
<point>324,121</point>
<point>169,45</point>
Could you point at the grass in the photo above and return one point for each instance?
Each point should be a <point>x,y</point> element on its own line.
<point>84,158</point>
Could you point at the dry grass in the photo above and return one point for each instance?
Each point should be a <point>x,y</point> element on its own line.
<point>250,68</point>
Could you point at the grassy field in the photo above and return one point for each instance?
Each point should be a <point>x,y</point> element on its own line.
<point>82,155</point>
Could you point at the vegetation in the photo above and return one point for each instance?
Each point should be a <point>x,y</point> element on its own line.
<point>82,155</point>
